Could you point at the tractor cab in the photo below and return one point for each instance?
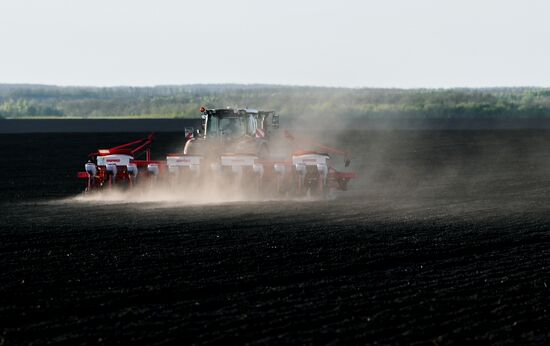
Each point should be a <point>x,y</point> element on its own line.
<point>235,131</point>
<point>228,125</point>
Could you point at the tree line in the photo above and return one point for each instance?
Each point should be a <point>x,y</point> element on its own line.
<point>184,100</point>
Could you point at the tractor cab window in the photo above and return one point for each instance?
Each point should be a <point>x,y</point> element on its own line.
<point>212,126</point>
<point>252,125</point>
<point>232,127</point>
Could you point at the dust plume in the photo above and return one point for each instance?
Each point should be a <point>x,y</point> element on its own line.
<point>401,163</point>
<point>394,165</point>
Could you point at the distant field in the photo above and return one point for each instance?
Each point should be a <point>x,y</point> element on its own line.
<point>127,124</point>
<point>68,125</point>
<point>105,117</point>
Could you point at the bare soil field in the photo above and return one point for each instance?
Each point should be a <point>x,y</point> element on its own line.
<point>444,239</point>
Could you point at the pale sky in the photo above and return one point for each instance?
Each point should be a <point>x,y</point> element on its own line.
<point>384,43</point>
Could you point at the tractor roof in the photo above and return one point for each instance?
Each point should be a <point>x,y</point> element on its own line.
<point>235,111</point>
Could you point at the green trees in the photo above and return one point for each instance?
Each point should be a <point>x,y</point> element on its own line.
<point>184,101</point>
<point>23,107</point>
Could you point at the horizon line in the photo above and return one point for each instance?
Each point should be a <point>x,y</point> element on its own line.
<point>274,85</point>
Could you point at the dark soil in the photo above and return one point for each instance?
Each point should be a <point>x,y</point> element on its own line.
<point>445,239</point>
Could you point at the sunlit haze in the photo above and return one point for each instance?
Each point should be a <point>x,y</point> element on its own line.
<point>398,43</point>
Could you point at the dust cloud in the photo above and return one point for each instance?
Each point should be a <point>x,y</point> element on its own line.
<point>212,187</point>
<point>393,165</point>
<point>208,189</point>
<point>397,165</point>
